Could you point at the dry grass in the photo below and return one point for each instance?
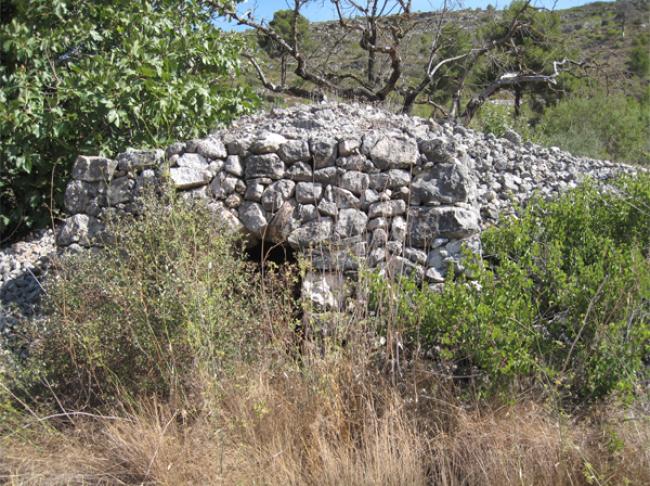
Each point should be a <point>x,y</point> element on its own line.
<point>329,422</point>
<point>325,406</point>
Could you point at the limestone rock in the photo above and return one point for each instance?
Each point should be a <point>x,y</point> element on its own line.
<point>398,229</point>
<point>437,151</point>
<point>268,143</point>
<point>294,151</point>
<point>311,233</point>
<point>195,161</point>
<point>189,177</point>
<point>445,183</point>
<point>283,223</point>
<point>176,148</point>
<point>120,190</point>
<point>323,151</point>
<point>307,212</point>
<point>354,181</point>
<point>327,208</point>
<point>349,147</point>
<point>343,198</point>
<point>275,195</point>
<point>427,224</point>
<point>350,222</point>
<point>253,217</point>
<point>268,165</point>
<point>328,175</point>
<point>138,160</point>
<point>233,166</point>
<point>300,172</point>
<point>386,209</point>
<point>323,290</point>
<point>210,148</point>
<point>308,192</point>
<point>398,178</point>
<point>225,217</point>
<point>81,229</point>
<point>93,169</point>
<point>254,190</point>
<point>355,162</point>
<point>392,152</point>
<point>83,197</point>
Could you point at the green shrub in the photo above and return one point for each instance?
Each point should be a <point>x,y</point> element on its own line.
<point>171,299</point>
<point>562,299</point>
<point>596,125</point>
<point>639,60</point>
<point>493,118</point>
<point>96,77</point>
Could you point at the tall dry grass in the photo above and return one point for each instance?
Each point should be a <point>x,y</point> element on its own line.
<point>230,393</point>
<point>328,422</point>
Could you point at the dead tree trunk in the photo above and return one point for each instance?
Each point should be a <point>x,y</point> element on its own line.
<point>518,94</point>
<point>283,70</point>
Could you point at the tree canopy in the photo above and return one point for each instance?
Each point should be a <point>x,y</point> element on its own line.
<point>285,23</point>
<point>97,76</point>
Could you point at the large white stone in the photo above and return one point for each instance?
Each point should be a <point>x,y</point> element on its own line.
<point>189,177</point>
<point>93,169</point>
<point>323,290</point>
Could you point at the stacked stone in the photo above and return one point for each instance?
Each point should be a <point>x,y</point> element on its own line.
<point>101,185</point>
<point>510,173</point>
<point>346,185</point>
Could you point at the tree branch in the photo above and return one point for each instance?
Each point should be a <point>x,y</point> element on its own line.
<point>291,90</point>
<point>513,80</point>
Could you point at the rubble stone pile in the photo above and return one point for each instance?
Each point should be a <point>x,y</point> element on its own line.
<point>23,266</point>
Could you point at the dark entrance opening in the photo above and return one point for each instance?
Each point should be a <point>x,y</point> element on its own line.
<point>282,262</point>
<point>265,252</point>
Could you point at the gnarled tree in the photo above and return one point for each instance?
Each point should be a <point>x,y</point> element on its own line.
<point>512,51</point>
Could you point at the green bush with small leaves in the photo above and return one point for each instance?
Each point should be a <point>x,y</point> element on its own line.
<point>90,77</point>
<point>560,300</point>
<point>639,60</point>
<point>169,299</point>
<point>493,118</point>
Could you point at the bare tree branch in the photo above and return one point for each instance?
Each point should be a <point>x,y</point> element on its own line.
<point>509,80</point>
<point>291,90</point>
<point>364,90</point>
<point>381,27</point>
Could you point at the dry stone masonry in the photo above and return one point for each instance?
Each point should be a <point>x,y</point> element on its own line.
<point>346,185</point>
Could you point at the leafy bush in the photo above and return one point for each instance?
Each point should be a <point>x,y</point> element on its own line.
<point>639,60</point>
<point>97,76</point>
<point>493,118</point>
<point>600,126</point>
<point>562,299</point>
<point>169,300</point>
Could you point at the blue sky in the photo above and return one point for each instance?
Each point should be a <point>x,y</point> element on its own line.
<point>315,12</point>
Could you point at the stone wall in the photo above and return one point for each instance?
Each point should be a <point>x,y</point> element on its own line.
<point>343,184</point>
